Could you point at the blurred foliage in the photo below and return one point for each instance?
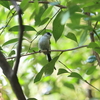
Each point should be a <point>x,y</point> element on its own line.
<point>68,21</point>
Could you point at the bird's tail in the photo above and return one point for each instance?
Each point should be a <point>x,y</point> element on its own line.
<point>49,59</point>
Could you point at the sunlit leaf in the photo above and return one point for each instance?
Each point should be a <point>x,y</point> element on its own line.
<point>83,37</point>
<point>44,21</point>
<point>50,66</point>
<point>73,9</point>
<point>91,70</point>
<point>36,6</point>
<point>76,26</point>
<point>32,99</point>
<point>39,76</point>
<point>61,71</point>
<point>11,53</point>
<point>10,41</point>
<point>57,27</point>
<point>47,69</point>
<point>24,4</point>
<point>5,4</point>
<point>69,85</point>
<point>11,62</point>
<point>75,75</point>
<point>65,17</point>
<point>38,16</point>
<point>93,45</point>
<point>71,36</point>
<point>27,28</point>
<point>46,14</point>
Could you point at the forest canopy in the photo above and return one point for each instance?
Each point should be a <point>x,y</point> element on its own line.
<point>25,73</point>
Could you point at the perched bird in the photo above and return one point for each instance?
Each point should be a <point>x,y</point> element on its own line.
<point>44,44</point>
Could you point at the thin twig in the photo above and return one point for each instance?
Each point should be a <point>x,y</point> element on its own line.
<point>50,51</point>
<point>43,2</point>
<point>82,79</point>
<point>65,66</point>
<point>7,23</point>
<point>52,18</point>
<point>46,2</point>
<point>91,85</point>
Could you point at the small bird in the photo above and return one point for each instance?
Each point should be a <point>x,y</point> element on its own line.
<point>44,44</point>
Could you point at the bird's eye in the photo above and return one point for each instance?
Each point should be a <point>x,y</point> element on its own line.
<point>49,33</point>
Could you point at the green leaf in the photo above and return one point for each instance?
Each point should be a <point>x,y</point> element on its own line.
<point>73,9</point>
<point>36,6</point>
<point>65,17</point>
<point>91,70</point>
<point>69,85</point>
<point>83,37</point>
<point>10,41</point>
<point>5,4</point>
<point>93,45</point>
<point>24,4</point>
<point>32,99</point>
<point>46,14</point>
<point>61,71</point>
<point>11,62</point>
<point>97,49</point>
<point>57,27</point>
<point>44,21</point>
<point>12,53</point>
<point>75,26</point>
<point>71,36</point>
<point>38,16</point>
<point>27,28</point>
<point>39,76</point>
<point>49,67</point>
<point>75,75</point>
<point>91,59</point>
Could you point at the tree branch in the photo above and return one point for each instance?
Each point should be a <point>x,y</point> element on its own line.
<point>50,51</point>
<point>43,2</point>
<point>8,72</point>
<point>21,30</point>
<point>92,37</point>
<point>93,40</point>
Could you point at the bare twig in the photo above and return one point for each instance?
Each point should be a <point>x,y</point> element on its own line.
<point>46,2</point>
<point>82,78</point>
<point>7,23</point>
<point>65,66</point>
<point>52,18</point>
<point>50,51</point>
<point>43,2</point>
<point>91,85</point>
